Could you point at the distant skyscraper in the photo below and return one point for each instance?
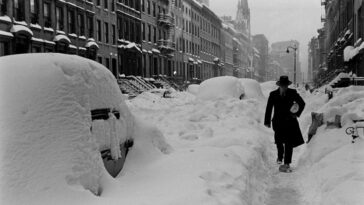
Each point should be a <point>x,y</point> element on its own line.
<point>206,2</point>
<point>242,21</point>
<point>286,60</point>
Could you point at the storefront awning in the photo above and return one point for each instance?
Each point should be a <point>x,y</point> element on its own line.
<point>20,29</point>
<point>62,38</point>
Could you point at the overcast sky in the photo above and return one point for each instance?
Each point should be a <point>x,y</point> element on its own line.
<point>279,19</point>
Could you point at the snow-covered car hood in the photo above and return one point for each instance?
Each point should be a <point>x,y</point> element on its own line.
<point>45,122</point>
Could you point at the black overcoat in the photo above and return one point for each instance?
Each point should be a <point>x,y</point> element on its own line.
<point>285,124</point>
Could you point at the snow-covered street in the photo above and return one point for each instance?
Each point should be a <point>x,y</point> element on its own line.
<point>204,146</point>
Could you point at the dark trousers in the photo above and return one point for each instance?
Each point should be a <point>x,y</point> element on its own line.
<point>285,151</point>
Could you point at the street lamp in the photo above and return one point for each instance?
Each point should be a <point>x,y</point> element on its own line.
<point>295,60</point>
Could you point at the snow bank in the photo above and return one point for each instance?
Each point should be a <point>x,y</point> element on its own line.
<point>268,87</point>
<point>155,101</point>
<point>252,89</point>
<point>48,154</point>
<point>334,166</point>
<point>220,88</point>
<point>193,89</point>
<point>220,154</point>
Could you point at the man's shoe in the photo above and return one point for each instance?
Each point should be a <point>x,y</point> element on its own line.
<point>279,161</point>
<point>285,168</point>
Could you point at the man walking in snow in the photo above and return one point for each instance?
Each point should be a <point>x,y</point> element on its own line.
<point>288,106</point>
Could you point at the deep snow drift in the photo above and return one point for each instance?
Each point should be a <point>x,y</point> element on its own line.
<point>333,166</point>
<point>220,149</point>
<point>220,88</point>
<point>48,154</point>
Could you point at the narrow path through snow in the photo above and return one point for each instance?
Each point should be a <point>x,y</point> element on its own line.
<point>284,189</point>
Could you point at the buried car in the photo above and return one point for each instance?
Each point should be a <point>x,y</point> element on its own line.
<point>64,125</point>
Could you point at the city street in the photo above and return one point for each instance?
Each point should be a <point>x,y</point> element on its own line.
<point>181,102</point>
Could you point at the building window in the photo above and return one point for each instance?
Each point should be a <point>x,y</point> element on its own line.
<point>154,10</point>
<point>107,62</point>
<point>149,33</point>
<point>3,7</point>
<point>4,48</point>
<point>71,21</point>
<point>126,30</point>
<point>59,18</point>
<point>90,26</point>
<point>148,6</point>
<point>98,3</point>
<point>120,26</point>
<point>137,5</point>
<point>132,32</point>
<point>19,10</point>
<point>154,35</point>
<point>113,34</point>
<point>81,24</point>
<point>143,31</point>
<point>34,10</point>
<point>98,28</point>
<point>138,38</point>
<point>106,6</point>
<point>143,6</point>
<point>99,59</point>
<point>47,14</point>
<point>112,5</point>
<point>106,32</point>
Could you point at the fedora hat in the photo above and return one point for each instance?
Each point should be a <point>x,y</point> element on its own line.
<point>283,80</point>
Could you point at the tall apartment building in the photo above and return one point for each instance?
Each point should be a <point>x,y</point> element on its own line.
<point>128,28</point>
<point>191,39</point>
<point>96,29</point>
<point>228,34</point>
<point>313,58</point>
<point>210,33</point>
<point>158,43</point>
<point>286,60</point>
<point>344,26</point>
<point>261,43</point>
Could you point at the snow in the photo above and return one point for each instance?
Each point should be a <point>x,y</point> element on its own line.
<point>203,146</point>
<point>61,37</point>
<point>130,45</point>
<point>37,26</point>
<point>252,89</point>
<point>333,166</point>
<point>5,33</point>
<point>193,89</point>
<point>220,88</point>
<point>17,28</point>
<point>48,153</point>
<point>91,43</point>
<point>218,153</point>
<point>156,50</point>
<point>338,78</point>
<point>350,52</point>
<point>5,18</point>
<point>49,29</point>
<point>268,87</point>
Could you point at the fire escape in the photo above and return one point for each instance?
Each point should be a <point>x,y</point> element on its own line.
<point>166,20</point>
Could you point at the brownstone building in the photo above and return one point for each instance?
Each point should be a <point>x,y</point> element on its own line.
<point>83,27</point>
<point>157,37</point>
<point>129,37</point>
